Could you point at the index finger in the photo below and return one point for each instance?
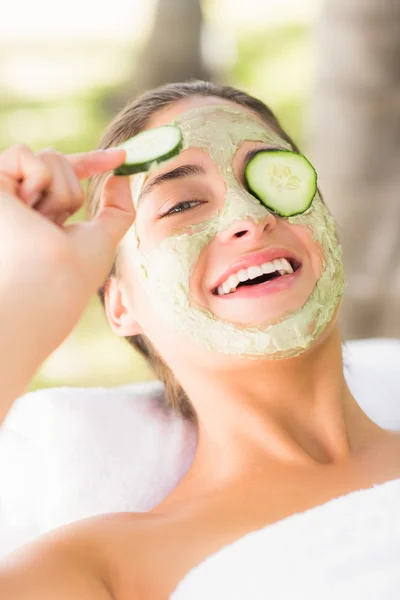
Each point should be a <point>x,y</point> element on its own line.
<point>96,162</point>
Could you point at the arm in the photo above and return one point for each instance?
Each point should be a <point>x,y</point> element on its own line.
<point>49,573</point>
<point>48,270</point>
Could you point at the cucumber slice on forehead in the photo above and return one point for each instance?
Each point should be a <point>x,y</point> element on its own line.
<point>284,181</point>
<point>149,148</point>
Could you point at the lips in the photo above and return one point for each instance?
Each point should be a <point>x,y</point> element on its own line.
<point>279,284</point>
<point>256,259</point>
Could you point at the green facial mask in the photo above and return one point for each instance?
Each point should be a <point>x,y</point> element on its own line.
<point>166,269</point>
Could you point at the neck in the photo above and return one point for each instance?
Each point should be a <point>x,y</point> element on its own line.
<point>293,412</point>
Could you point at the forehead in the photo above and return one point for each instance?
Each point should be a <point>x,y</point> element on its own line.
<point>240,123</point>
<point>222,129</point>
<point>172,111</point>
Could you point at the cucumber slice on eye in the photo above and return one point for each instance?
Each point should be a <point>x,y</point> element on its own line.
<point>284,181</point>
<point>148,148</point>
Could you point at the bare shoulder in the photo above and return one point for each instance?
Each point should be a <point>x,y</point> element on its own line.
<point>73,561</point>
<point>137,555</point>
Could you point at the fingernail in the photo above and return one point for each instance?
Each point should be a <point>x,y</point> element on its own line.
<point>111,150</point>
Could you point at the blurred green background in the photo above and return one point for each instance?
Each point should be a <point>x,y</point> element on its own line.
<point>63,79</point>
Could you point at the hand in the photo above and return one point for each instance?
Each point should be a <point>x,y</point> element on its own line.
<point>49,271</point>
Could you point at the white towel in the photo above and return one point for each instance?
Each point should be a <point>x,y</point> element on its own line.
<point>69,453</point>
<point>345,549</point>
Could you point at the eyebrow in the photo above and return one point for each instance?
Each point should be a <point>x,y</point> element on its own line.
<point>178,173</point>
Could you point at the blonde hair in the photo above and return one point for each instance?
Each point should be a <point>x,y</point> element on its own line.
<point>130,121</point>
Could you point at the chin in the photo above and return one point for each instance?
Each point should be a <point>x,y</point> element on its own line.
<point>257,314</point>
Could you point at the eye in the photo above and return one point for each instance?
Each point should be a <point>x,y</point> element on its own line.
<point>252,154</point>
<point>181,207</point>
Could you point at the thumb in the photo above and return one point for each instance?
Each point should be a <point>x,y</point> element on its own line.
<point>97,240</point>
<point>116,212</point>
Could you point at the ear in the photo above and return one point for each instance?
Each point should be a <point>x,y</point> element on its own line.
<point>118,306</point>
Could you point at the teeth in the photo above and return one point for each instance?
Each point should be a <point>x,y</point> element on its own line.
<point>279,264</point>
<point>268,268</point>
<point>226,287</point>
<point>233,281</point>
<point>286,265</point>
<point>254,272</point>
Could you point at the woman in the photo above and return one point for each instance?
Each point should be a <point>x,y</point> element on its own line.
<point>257,367</point>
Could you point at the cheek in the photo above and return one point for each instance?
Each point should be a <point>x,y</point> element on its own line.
<point>152,231</point>
<point>149,236</point>
<point>164,339</point>
<point>144,313</point>
<point>314,250</point>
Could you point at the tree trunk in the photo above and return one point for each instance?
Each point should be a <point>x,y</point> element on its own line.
<point>356,150</point>
<point>172,52</point>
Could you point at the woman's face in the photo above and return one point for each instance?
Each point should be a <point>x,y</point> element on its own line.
<point>197,223</point>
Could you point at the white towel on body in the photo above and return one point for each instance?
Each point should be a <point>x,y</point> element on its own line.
<point>345,549</point>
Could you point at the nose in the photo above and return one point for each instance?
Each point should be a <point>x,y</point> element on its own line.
<point>248,228</point>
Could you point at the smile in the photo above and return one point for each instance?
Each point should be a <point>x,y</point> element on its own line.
<point>255,271</point>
